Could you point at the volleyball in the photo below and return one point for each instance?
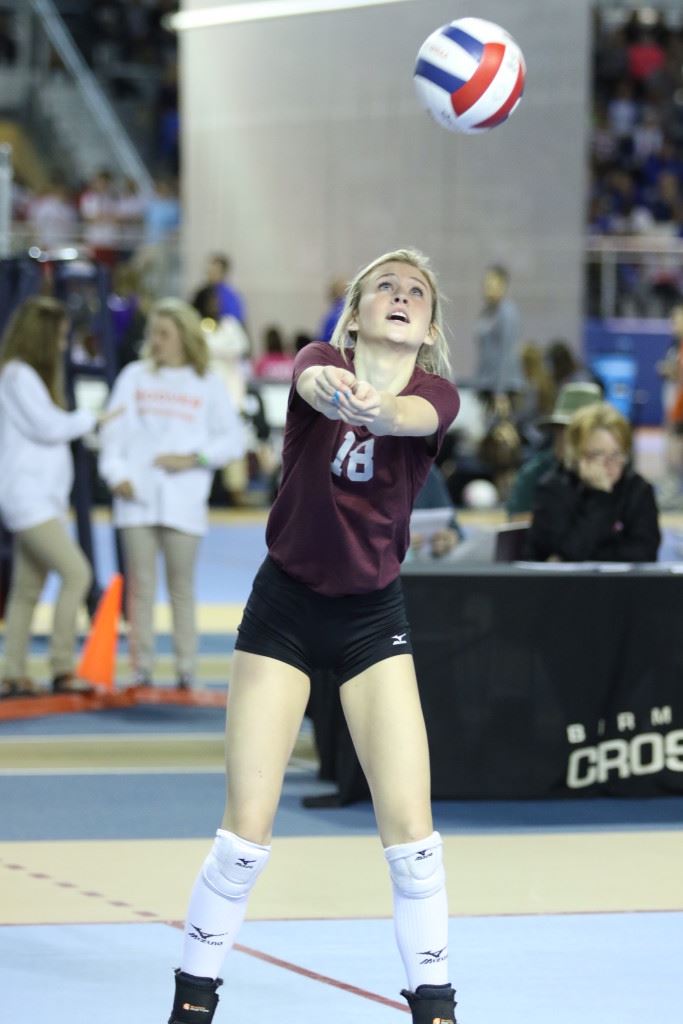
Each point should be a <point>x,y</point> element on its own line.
<point>469,75</point>
<point>479,494</point>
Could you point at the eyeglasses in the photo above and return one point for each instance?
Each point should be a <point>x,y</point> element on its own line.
<point>609,458</point>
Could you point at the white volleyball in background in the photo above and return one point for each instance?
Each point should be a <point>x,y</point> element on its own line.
<point>480,494</point>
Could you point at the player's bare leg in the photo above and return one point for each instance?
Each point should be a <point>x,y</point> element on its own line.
<point>383,711</point>
<point>266,704</point>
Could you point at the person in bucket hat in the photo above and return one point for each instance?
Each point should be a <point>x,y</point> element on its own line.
<point>570,398</point>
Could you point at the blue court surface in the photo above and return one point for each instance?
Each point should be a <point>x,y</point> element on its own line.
<point>513,970</point>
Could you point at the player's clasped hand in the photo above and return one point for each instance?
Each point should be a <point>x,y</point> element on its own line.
<point>345,398</point>
<point>333,385</point>
<point>362,407</point>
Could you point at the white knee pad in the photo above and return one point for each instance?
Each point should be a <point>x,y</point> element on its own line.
<point>417,868</point>
<point>233,865</point>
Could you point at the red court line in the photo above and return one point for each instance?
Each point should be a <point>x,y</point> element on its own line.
<point>90,893</point>
<point>324,979</point>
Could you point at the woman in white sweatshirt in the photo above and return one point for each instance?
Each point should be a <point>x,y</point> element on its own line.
<point>177,426</point>
<point>36,474</point>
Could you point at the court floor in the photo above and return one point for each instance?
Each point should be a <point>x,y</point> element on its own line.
<point>561,911</point>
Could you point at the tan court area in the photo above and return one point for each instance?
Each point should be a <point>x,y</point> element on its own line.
<point>128,880</point>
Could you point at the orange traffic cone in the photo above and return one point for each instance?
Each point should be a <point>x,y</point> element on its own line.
<point>98,656</point>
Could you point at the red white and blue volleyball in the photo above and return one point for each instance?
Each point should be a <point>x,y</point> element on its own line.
<point>470,75</point>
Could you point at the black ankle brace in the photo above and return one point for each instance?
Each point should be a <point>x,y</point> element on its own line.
<point>432,1004</point>
<point>195,1000</point>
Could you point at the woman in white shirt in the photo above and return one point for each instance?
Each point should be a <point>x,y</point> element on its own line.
<point>36,474</point>
<point>178,425</point>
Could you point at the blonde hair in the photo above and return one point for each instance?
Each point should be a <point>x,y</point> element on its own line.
<point>32,336</point>
<point>596,416</point>
<point>433,358</point>
<point>189,324</point>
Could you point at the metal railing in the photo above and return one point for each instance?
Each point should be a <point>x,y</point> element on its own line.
<point>157,266</point>
<point>633,275</point>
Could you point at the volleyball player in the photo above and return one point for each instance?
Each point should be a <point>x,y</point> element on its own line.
<point>365,419</point>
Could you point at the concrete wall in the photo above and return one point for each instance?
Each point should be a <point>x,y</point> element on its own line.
<point>306,154</point>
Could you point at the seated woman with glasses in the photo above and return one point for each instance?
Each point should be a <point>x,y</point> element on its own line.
<point>595,507</point>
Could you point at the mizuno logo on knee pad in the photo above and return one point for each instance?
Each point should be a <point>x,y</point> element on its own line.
<point>417,868</point>
<point>233,865</point>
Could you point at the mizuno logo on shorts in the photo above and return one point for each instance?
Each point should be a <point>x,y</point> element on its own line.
<point>398,638</point>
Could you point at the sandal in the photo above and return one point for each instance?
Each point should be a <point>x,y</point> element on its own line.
<point>67,682</point>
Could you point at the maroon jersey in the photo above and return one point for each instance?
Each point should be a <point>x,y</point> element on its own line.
<point>340,521</point>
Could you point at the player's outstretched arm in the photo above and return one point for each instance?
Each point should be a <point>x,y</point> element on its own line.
<point>383,413</point>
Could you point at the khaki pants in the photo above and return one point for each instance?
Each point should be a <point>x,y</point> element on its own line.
<point>38,551</point>
<point>141,545</point>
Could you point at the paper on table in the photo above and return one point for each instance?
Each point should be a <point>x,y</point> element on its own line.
<point>425,522</point>
<point>579,566</point>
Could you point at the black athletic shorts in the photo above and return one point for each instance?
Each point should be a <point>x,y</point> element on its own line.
<point>286,620</point>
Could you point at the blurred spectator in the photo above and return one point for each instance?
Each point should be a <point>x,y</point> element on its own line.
<point>336,296</point>
<point>665,199</point>
<point>498,376</point>
<point>52,217</point>
<point>161,215</point>
<point>670,369</point>
<point>157,259</point>
<point>229,350</point>
<point>647,135</point>
<point>229,359</point>
<point>611,58</point>
<point>622,110</point>
<point>36,470</point>
<point>177,426</point>
<point>604,139</point>
<point>275,363</point>
<point>500,453</point>
<point>131,209</point>
<point>572,397</point>
<point>595,507</point>
<point>128,307</point>
<point>230,302</point>
<point>97,207</point>
<point>646,56</point>
<point>666,158</point>
<point>564,366</point>
<point>536,400</point>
